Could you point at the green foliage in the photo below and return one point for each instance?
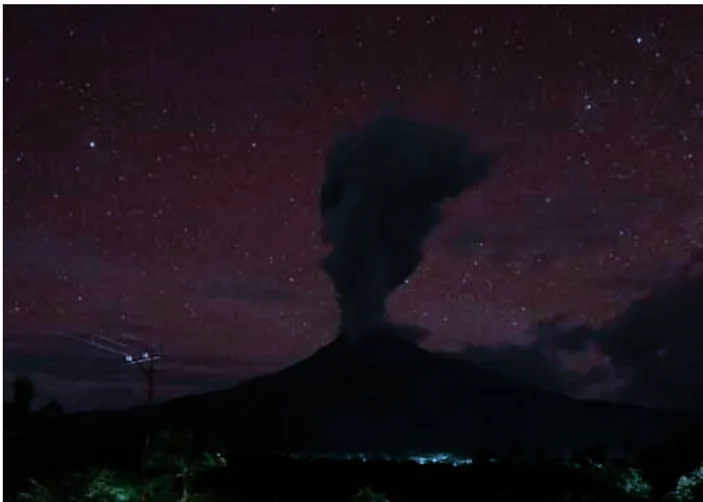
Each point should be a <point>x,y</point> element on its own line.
<point>36,493</point>
<point>172,457</point>
<point>175,457</point>
<point>613,478</point>
<point>105,485</point>
<point>178,453</point>
<point>366,494</point>
<point>630,481</point>
<point>688,487</point>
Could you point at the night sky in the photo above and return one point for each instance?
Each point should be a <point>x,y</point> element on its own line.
<point>162,167</point>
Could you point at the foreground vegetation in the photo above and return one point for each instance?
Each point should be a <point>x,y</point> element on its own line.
<point>181,480</point>
<point>174,465</point>
<point>175,472</point>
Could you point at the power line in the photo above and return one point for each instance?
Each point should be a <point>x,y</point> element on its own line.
<point>138,354</point>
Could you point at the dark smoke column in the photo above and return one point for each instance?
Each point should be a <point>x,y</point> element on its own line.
<point>381,197</point>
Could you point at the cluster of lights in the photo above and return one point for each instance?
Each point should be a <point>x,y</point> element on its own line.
<point>430,458</point>
<point>630,480</point>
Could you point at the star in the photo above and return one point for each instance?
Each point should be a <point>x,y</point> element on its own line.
<point>153,180</point>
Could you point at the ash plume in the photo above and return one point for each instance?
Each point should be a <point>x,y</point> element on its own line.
<point>381,197</point>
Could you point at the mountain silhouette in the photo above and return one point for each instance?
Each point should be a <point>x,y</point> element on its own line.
<point>383,394</point>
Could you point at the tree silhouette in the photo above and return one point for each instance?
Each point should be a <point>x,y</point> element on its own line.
<point>366,494</point>
<point>177,458</point>
<point>37,493</point>
<point>21,406</point>
<point>24,394</point>
<point>51,409</point>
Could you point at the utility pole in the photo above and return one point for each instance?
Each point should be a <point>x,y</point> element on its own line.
<point>139,354</point>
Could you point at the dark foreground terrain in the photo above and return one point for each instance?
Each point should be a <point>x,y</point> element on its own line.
<point>268,478</point>
<point>386,395</point>
<point>381,397</point>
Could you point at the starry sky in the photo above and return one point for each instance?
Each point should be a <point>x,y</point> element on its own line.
<point>162,167</point>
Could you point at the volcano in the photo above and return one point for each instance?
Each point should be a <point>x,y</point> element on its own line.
<point>385,395</point>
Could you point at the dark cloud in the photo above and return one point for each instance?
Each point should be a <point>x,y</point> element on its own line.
<point>650,353</point>
<point>661,339</point>
<point>540,362</point>
<point>528,364</point>
<point>381,197</point>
